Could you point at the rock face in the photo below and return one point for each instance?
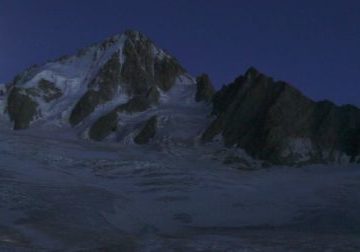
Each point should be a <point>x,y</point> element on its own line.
<point>104,126</point>
<point>84,107</point>
<point>140,75</point>
<point>48,90</point>
<point>21,108</point>
<point>273,121</point>
<point>147,132</point>
<point>136,104</point>
<point>102,88</point>
<point>2,90</point>
<point>108,123</point>
<point>205,90</point>
<point>23,103</point>
<point>142,71</point>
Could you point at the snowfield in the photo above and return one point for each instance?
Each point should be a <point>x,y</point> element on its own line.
<point>62,194</point>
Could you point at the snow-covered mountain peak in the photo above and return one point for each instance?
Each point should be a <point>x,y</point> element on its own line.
<point>94,88</point>
<point>84,64</point>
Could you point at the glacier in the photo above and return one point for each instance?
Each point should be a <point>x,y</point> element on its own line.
<point>60,193</point>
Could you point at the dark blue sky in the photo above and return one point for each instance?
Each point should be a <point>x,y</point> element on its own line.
<point>314,45</point>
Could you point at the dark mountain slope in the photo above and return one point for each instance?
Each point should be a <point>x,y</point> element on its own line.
<point>273,121</point>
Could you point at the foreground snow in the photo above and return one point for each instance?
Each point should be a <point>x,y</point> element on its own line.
<point>57,194</point>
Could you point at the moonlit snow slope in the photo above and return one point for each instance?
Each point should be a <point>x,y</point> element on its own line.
<point>62,194</point>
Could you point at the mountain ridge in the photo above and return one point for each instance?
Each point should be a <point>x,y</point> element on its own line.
<point>274,121</point>
<point>95,76</point>
<point>127,89</point>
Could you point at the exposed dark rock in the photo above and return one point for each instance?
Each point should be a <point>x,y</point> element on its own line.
<point>3,90</point>
<point>147,132</point>
<point>141,70</point>
<point>134,105</point>
<point>21,108</point>
<point>49,91</point>
<point>141,49</point>
<point>108,123</point>
<point>214,129</point>
<point>137,70</point>
<point>205,90</point>
<point>107,84</point>
<point>273,121</point>
<point>22,104</point>
<point>85,106</point>
<point>166,71</point>
<point>104,126</point>
<point>153,95</point>
<point>338,128</point>
<point>108,79</point>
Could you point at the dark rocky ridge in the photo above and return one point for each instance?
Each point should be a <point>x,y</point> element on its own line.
<point>108,123</point>
<point>106,84</point>
<point>147,132</point>
<point>140,76</point>
<point>205,90</point>
<point>21,108</point>
<point>104,126</point>
<point>21,103</point>
<point>275,122</point>
<point>141,70</point>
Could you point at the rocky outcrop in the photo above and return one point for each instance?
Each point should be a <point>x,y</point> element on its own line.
<point>145,68</point>
<point>147,132</point>
<point>84,107</point>
<point>2,90</point>
<point>205,90</point>
<point>336,129</point>
<point>108,123</point>
<point>137,70</point>
<point>101,89</point>
<point>48,90</point>
<point>166,70</point>
<point>21,108</point>
<point>104,126</point>
<point>153,95</point>
<point>23,103</point>
<point>134,105</point>
<point>275,122</point>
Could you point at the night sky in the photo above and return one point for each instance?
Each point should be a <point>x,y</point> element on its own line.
<point>314,45</point>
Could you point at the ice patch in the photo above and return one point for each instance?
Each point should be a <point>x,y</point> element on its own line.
<point>300,148</point>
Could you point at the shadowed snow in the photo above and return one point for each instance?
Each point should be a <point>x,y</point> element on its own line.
<point>60,194</point>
